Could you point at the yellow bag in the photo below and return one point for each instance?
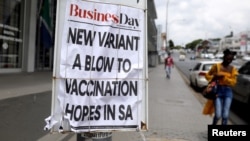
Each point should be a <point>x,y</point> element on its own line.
<point>208,108</point>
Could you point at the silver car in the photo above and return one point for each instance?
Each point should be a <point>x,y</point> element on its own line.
<point>242,88</point>
<point>197,74</point>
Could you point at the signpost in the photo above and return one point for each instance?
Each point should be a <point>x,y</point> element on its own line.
<point>100,67</point>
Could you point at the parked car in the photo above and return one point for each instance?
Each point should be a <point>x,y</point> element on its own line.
<point>210,56</point>
<point>236,64</point>
<point>204,55</point>
<point>182,57</point>
<point>242,90</point>
<point>246,58</point>
<point>219,55</point>
<point>197,74</point>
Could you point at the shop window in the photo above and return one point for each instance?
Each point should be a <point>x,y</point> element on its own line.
<point>10,34</point>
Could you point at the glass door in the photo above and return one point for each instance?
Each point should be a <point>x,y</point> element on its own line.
<point>10,34</point>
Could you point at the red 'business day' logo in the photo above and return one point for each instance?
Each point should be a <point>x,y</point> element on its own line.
<point>123,19</point>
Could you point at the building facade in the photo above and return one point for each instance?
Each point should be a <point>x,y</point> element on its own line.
<point>26,47</point>
<point>152,35</point>
<point>161,44</point>
<point>21,47</point>
<point>239,43</point>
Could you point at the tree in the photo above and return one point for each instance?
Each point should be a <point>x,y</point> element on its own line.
<point>171,44</point>
<point>193,44</point>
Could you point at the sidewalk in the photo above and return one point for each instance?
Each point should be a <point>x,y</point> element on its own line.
<point>174,111</point>
<point>19,84</point>
<point>175,114</point>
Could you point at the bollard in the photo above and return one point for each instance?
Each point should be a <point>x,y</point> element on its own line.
<point>98,136</point>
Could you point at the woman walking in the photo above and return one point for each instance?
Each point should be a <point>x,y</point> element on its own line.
<point>226,76</point>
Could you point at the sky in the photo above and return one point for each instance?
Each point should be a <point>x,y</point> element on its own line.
<point>189,20</point>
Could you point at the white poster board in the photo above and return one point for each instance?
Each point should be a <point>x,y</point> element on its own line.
<point>100,70</point>
<point>140,4</point>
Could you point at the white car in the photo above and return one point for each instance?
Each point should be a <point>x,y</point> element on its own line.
<point>197,74</point>
<point>219,55</point>
<point>210,56</point>
<point>246,58</point>
<point>182,57</point>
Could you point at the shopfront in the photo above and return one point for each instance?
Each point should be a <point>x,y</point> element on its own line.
<point>22,44</point>
<point>11,35</point>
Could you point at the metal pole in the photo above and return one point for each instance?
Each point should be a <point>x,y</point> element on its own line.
<point>167,27</point>
<point>98,136</point>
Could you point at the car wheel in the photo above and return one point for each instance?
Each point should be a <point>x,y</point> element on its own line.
<point>191,83</point>
<point>196,86</point>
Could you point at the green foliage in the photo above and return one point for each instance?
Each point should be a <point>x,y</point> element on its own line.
<point>193,44</point>
<point>190,45</point>
<point>177,47</point>
<point>171,44</point>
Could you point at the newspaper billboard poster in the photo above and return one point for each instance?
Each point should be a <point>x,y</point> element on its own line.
<point>99,78</point>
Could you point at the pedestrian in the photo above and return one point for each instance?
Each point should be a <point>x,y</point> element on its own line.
<point>226,76</point>
<point>169,63</point>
